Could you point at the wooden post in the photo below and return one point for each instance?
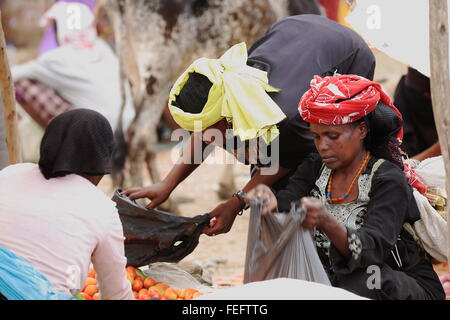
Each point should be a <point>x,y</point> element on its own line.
<point>4,161</point>
<point>9,103</point>
<point>440,85</point>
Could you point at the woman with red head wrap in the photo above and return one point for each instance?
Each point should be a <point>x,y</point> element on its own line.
<point>350,98</point>
<point>356,194</point>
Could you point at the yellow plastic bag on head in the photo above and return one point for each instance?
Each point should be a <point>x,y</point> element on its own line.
<point>238,93</point>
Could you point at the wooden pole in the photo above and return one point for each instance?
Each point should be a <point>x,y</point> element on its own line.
<point>9,103</point>
<point>3,148</point>
<point>440,85</point>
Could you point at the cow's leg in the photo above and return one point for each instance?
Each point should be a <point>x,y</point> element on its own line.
<point>144,144</point>
<point>136,161</point>
<point>169,205</point>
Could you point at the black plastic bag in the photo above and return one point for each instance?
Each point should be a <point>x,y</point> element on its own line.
<point>156,236</point>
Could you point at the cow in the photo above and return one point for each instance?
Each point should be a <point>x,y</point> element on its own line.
<point>156,40</point>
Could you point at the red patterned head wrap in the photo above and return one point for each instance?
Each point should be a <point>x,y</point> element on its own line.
<point>345,99</point>
<point>342,99</point>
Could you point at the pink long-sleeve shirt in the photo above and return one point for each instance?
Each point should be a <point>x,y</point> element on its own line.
<point>60,225</point>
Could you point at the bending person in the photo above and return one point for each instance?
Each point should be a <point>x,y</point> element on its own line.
<point>66,221</point>
<point>230,99</point>
<point>356,194</point>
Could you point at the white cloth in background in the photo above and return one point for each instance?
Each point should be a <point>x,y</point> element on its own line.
<point>431,229</point>
<point>431,172</point>
<point>87,78</point>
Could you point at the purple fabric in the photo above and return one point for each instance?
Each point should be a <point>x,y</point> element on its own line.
<point>48,41</point>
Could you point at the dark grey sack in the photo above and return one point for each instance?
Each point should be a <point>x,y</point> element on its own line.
<point>278,247</point>
<point>156,236</point>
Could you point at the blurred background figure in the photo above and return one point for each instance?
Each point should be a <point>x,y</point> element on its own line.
<point>413,99</point>
<point>82,71</point>
<point>49,41</point>
<point>335,10</point>
<point>76,69</point>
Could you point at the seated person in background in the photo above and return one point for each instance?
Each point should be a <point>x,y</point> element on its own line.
<point>82,72</point>
<point>356,194</point>
<point>413,99</point>
<point>54,216</point>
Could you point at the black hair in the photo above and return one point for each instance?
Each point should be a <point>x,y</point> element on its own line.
<point>383,125</point>
<point>194,94</point>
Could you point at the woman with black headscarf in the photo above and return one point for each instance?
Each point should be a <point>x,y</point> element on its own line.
<point>359,203</point>
<point>54,216</point>
<point>243,99</point>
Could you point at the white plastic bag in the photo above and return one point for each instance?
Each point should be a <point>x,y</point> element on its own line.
<point>431,172</point>
<point>431,229</point>
<point>278,247</point>
<point>175,277</point>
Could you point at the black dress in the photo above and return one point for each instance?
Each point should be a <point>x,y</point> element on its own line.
<point>386,262</point>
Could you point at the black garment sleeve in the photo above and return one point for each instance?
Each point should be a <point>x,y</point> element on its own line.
<point>300,183</point>
<point>387,210</point>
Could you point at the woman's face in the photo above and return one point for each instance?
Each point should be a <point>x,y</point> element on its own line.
<point>338,145</point>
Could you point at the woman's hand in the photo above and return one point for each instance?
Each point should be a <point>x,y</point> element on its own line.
<point>264,193</point>
<point>157,193</point>
<point>316,214</point>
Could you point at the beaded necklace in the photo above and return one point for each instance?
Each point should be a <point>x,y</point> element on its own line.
<point>350,188</point>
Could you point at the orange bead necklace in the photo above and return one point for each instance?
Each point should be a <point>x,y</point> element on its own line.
<point>350,188</point>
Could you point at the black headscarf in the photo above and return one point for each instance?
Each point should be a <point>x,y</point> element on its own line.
<point>78,141</point>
